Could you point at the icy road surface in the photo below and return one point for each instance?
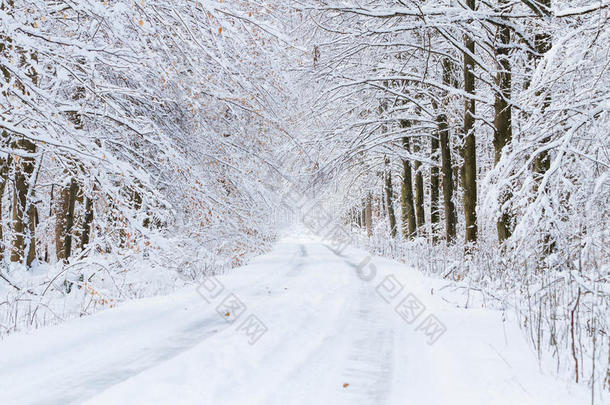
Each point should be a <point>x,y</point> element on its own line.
<point>301,325</point>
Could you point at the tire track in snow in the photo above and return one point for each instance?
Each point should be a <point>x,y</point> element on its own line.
<point>355,349</point>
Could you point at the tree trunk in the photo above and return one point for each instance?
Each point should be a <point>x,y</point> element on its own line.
<point>67,196</point>
<point>87,223</point>
<point>383,194</point>
<point>24,165</point>
<point>449,173</point>
<point>434,189</point>
<point>389,196</point>
<point>368,210</point>
<point>5,163</point>
<point>420,214</point>
<point>4,166</point>
<point>46,249</point>
<point>543,43</point>
<point>406,196</point>
<point>24,168</point>
<point>72,195</point>
<point>469,171</point>
<point>447,170</point>
<point>32,222</point>
<point>61,212</point>
<point>503,120</point>
<point>64,220</point>
<point>541,163</point>
<point>363,217</point>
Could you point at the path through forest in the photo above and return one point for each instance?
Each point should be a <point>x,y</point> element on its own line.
<point>300,325</point>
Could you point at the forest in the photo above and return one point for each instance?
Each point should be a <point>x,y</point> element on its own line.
<point>147,145</point>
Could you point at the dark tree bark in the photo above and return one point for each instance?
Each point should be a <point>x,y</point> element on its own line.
<point>23,164</point>
<point>4,166</point>
<point>4,163</point>
<point>406,193</point>
<point>389,196</point>
<point>32,222</point>
<point>383,194</point>
<point>543,43</point>
<point>46,249</point>
<point>447,170</point>
<point>72,195</point>
<point>503,119</point>
<point>86,231</point>
<point>64,220</point>
<point>68,196</point>
<point>24,168</point>
<point>542,162</point>
<point>363,217</point>
<point>420,213</point>
<point>62,204</point>
<point>469,171</point>
<point>434,188</point>
<point>368,210</point>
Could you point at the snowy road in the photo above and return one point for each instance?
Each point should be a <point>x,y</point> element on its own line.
<point>330,337</point>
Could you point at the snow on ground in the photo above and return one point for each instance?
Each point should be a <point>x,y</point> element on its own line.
<point>329,333</point>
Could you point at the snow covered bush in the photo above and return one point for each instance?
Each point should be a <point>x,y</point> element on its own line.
<point>134,135</point>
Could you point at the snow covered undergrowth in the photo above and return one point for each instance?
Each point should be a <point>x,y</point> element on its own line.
<point>333,336</point>
<point>562,309</point>
<point>49,294</point>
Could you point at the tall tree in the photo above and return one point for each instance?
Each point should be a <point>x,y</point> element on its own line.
<point>22,201</point>
<point>406,191</point>
<point>64,218</point>
<point>447,169</point>
<point>24,163</point>
<point>87,220</point>
<point>389,197</point>
<point>368,215</point>
<point>543,43</point>
<point>542,163</point>
<point>469,153</point>
<point>5,164</point>
<point>503,115</point>
<point>420,213</point>
<point>434,187</point>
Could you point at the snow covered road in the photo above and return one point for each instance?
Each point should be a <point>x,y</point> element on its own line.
<point>300,325</point>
